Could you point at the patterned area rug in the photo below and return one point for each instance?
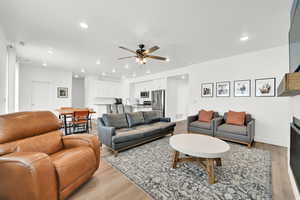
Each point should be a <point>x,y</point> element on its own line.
<point>245,173</point>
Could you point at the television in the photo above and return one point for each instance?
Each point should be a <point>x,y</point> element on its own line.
<point>294,38</point>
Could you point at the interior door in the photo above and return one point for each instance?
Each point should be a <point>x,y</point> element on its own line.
<point>41,95</point>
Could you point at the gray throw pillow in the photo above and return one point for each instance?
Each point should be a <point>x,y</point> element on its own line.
<point>152,116</point>
<point>135,118</point>
<point>115,120</point>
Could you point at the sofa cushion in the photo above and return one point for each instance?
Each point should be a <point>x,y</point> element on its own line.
<point>70,164</point>
<point>115,120</point>
<point>205,116</point>
<point>135,118</point>
<point>204,125</point>
<point>127,134</point>
<point>152,116</point>
<point>240,130</point>
<point>163,125</point>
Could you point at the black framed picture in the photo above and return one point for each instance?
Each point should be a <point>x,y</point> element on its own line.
<point>223,89</point>
<point>207,89</point>
<point>265,87</point>
<point>62,92</point>
<point>242,88</point>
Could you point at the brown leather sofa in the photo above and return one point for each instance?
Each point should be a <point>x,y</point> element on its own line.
<point>37,162</point>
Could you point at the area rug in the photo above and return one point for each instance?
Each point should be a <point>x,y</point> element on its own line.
<point>245,173</point>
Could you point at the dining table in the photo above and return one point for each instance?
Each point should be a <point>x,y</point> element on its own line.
<point>64,113</point>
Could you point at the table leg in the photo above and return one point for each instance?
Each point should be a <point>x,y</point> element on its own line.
<point>210,171</point>
<point>218,162</point>
<point>175,159</point>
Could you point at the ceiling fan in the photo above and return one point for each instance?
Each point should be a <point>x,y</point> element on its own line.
<point>142,54</point>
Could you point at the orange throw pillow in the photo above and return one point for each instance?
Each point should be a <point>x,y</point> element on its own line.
<point>236,118</point>
<point>205,116</point>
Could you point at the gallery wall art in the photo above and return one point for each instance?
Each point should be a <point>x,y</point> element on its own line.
<point>265,87</point>
<point>242,88</point>
<point>207,89</point>
<point>223,89</point>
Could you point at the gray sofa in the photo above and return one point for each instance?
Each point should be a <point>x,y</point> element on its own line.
<point>201,127</point>
<point>241,134</point>
<point>123,131</point>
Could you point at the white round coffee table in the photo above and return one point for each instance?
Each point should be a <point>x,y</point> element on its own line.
<point>200,148</point>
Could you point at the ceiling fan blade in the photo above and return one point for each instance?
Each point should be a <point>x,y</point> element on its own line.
<point>124,48</point>
<point>152,49</point>
<point>126,57</point>
<point>157,57</point>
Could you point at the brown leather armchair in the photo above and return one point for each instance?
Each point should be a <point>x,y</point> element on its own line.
<point>37,162</point>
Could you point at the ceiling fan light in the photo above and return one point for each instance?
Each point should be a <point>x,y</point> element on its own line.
<point>168,59</point>
<point>137,60</point>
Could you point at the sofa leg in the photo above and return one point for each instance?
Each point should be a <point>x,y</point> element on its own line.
<point>115,153</point>
<point>249,145</point>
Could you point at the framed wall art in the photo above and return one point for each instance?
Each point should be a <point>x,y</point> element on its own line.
<point>265,87</point>
<point>242,88</point>
<point>207,89</point>
<point>223,89</point>
<point>62,92</point>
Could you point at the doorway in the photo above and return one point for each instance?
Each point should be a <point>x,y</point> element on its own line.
<point>78,92</point>
<point>41,95</point>
<point>177,97</point>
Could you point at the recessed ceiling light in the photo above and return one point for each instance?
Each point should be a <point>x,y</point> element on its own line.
<point>244,38</point>
<point>126,66</point>
<point>98,62</point>
<point>45,64</point>
<point>83,25</point>
<point>113,70</point>
<point>148,71</point>
<point>183,77</point>
<point>50,51</point>
<point>168,59</point>
<point>76,76</point>
<point>103,74</point>
<point>83,70</point>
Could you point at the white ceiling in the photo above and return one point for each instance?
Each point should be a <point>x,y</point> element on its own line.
<point>188,31</point>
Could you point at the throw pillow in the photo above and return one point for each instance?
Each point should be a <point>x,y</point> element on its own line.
<point>205,116</point>
<point>135,118</point>
<point>236,118</point>
<point>152,116</point>
<point>115,120</point>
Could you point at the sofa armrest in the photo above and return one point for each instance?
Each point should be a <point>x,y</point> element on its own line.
<point>165,119</point>
<point>191,119</point>
<point>217,122</point>
<point>33,171</point>
<point>105,133</point>
<point>79,140</point>
<point>251,129</point>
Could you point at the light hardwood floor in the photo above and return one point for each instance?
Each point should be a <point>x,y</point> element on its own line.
<point>110,184</point>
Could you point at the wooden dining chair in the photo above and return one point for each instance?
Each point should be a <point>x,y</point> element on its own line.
<point>68,117</point>
<point>81,121</point>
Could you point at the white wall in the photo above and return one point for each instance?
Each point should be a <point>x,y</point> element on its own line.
<point>99,93</point>
<point>57,78</point>
<point>78,92</point>
<point>272,114</point>
<point>3,72</point>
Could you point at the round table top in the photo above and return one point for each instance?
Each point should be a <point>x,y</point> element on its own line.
<point>199,145</point>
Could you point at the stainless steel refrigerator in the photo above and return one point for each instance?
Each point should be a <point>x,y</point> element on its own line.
<point>158,100</point>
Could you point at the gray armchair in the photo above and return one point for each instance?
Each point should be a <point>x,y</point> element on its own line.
<point>241,134</point>
<point>195,126</point>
